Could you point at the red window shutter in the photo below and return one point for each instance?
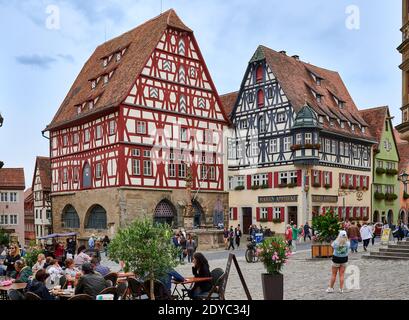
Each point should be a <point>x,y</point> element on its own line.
<point>340,212</point>
<point>362,181</point>
<point>276,179</point>
<point>258,214</point>
<point>299,178</point>
<point>367,181</point>
<point>259,74</point>
<point>330,179</point>
<point>249,182</point>
<point>362,212</point>
<point>340,180</point>
<point>260,98</point>
<point>282,214</point>
<point>320,178</point>
<point>270,179</point>
<point>270,214</point>
<point>347,180</point>
<point>355,181</point>
<point>348,212</point>
<point>235,215</point>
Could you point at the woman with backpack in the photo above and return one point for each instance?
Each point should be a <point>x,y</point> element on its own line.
<point>339,261</point>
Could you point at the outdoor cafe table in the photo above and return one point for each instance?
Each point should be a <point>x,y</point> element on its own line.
<point>14,286</point>
<point>184,284</point>
<point>123,277</point>
<point>62,294</point>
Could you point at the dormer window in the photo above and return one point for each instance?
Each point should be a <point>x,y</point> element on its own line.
<point>118,57</point>
<point>105,62</point>
<point>106,79</point>
<point>342,124</point>
<point>93,84</point>
<point>321,119</point>
<point>79,109</point>
<point>363,129</point>
<point>318,81</point>
<point>319,98</point>
<point>331,122</point>
<point>352,127</point>
<point>341,104</point>
<point>90,105</point>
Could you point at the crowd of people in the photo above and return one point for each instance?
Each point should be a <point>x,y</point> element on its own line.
<point>66,265</point>
<point>232,237</point>
<point>186,245</point>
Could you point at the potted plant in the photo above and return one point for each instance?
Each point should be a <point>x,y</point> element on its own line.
<point>255,187</point>
<point>276,221</point>
<point>351,187</point>
<point>146,249</point>
<point>327,226</point>
<point>239,188</point>
<point>292,185</point>
<point>380,171</point>
<point>274,253</point>
<point>31,255</point>
<point>344,186</point>
<point>264,186</point>
<point>379,196</point>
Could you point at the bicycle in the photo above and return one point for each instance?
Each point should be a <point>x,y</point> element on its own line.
<point>251,252</point>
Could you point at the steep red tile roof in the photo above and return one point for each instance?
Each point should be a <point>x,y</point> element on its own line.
<point>228,101</point>
<point>140,42</point>
<point>397,136</point>
<point>28,195</point>
<point>44,166</point>
<point>12,179</point>
<point>376,118</point>
<point>297,82</point>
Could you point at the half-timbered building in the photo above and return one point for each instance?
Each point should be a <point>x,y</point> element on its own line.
<point>140,134</point>
<point>297,145</point>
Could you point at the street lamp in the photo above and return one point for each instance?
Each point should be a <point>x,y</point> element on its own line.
<point>404,178</point>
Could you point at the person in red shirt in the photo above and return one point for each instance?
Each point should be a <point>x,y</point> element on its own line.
<point>289,236</point>
<point>59,251</point>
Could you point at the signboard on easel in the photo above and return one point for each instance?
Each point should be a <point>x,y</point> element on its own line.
<point>386,235</point>
<point>232,258</point>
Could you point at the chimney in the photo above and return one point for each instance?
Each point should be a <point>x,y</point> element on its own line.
<point>283,52</point>
<point>296,57</point>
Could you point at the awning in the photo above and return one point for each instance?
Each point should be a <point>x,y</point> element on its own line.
<point>58,235</point>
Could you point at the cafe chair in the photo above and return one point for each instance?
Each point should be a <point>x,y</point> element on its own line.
<point>15,295</point>
<point>110,290</point>
<point>136,289</point>
<point>79,297</point>
<point>63,282</point>
<point>159,290</point>
<point>113,276</point>
<point>122,290</point>
<point>30,296</point>
<point>217,291</point>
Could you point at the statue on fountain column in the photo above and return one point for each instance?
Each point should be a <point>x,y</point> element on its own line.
<point>188,216</point>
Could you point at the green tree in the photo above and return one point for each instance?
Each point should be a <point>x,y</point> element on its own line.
<point>326,226</point>
<point>146,248</point>
<point>4,238</point>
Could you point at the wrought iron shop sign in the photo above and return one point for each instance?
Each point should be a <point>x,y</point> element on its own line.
<point>333,199</point>
<point>276,199</point>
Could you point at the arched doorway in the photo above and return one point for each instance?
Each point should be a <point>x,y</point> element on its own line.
<point>96,218</point>
<point>198,214</point>
<point>70,219</point>
<point>376,216</point>
<point>165,212</point>
<point>86,176</point>
<point>402,216</point>
<point>390,217</point>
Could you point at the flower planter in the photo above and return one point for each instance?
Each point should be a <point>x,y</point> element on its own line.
<point>273,286</point>
<point>321,251</point>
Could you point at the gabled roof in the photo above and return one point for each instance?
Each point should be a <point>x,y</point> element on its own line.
<point>43,164</point>
<point>28,195</point>
<point>12,179</point>
<point>297,82</point>
<point>306,118</point>
<point>228,101</point>
<point>139,44</point>
<point>376,118</point>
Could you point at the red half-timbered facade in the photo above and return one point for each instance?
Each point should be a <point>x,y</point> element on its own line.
<point>142,120</point>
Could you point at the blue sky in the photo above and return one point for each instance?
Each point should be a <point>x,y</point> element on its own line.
<point>38,65</point>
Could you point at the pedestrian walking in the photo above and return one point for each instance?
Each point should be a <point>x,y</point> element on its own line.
<point>183,252</point>
<point>366,235</point>
<point>190,247</point>
<point>295,236</point>
<point>226,238</point>
<point>289,236</point>
<point>339,261</point>
<point>307,232</point>
<point>231,239</point>
<point>91,242</point>
<point>353,234</point>
<point>398,232</point>
<point>238,236</point>
<point>105,243</point>
<point>371,227</point>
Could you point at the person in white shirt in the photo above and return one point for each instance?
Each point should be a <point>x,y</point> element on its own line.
<point>55,271</point>
<point>39,264</point>
<point>366,235</point>
<point>81,257</point>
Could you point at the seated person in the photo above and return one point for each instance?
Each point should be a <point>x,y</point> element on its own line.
<point>200,269</point>
<point>39,264</point>
<point>102,270</point>
<point>90,283</point>
<point>48,262</point>
<point>70,270</point>
<point>171,275</point>
<point>38,287</point>
<point>81,257</point>
<point>23,272</point>
<point>55,271</point>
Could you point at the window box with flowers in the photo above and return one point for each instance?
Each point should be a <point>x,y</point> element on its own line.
<point>296,147</point>
<point>292,185</point>
<point>263,220</point>
<point>379,196</point>
<point>351,188</point>
<point>391,172</point>
<point>380,171</point>
<point>344,186</point>
<point>274,253</point>
<point>327,186</point>
<point>283,185</point>
<point>255,187</point>
<point>309,146</point>
<point>239,188</point>
<point>316,185</point>
<point>264,186</point>
<point>277,221</point>
<point>390,196</point>
<point>405,195</point>
<point>317,146</point>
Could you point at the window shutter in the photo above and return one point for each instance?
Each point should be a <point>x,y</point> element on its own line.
<point>348,212</point>
<point>270,179</point>
<point>275,179</point>
<point>320,176</point>
<point>355,181</point>
<point>258,214</point>
<point>340,213</point>
<point>347,179</point>
<point>367,182</point>
<point>340,180</point>
<point>235,215</point>
<point>362,212</point>
<point>362,182</point>
<point>249,182</point>
<point>330,179</point>
<point>299,178</point>
<point>270,214</point>
<point>282,214</point>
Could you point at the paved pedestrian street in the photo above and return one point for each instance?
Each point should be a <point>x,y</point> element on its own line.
<point>307,279</point>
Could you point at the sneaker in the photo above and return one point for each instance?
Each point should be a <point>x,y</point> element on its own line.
<point>341,290</point>
<point>330,290</point>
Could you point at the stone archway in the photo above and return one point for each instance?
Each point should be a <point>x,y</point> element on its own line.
<point>165,212</point>
<point>96,218</point>
<point>389,218</point>
<point>403,216</point>
<point>70,218</point>
<point>376,216</point>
